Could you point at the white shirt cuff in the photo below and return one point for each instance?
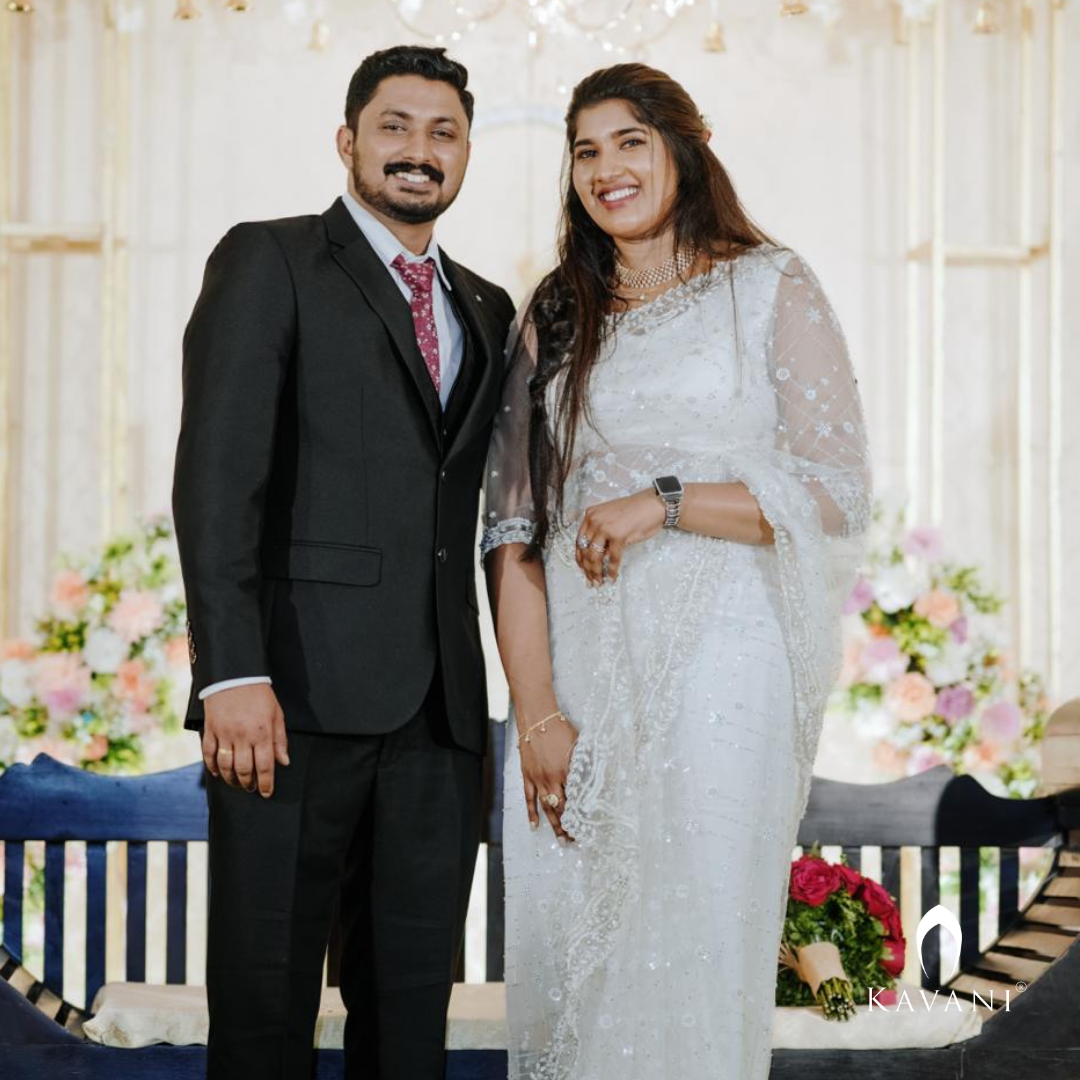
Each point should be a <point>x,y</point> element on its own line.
<point>228,684</point>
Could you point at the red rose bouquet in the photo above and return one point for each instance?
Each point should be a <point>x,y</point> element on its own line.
<point>842,936</point>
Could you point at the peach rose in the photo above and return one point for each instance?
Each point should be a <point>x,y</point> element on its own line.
<point>911,696</point>
<point>135,615</point>
<point>96,749</point>
<point>69,592</point>
<point>889,759</point>
<point>982,757</point>
<point>133,684</point>
<point>851,669</point>
<point>176,651</point>
<point>16,649</point>
<point>938,607</point>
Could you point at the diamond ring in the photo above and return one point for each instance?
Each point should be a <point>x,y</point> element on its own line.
<point>583,542</point>
<point>552,800</point>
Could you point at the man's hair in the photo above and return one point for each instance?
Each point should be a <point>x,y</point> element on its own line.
<point>428,63</point>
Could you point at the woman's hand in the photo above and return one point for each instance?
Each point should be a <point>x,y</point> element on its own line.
<point>545,761</point>
<point>609,527</point>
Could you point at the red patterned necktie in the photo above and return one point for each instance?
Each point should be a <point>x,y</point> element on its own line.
<point>420,276</point>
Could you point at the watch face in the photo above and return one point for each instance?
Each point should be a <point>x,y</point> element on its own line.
<point>668,485</point>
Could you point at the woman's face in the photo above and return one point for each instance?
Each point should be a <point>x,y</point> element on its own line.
<point>622,171</point>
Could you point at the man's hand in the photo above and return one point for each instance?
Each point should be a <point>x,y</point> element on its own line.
<point>243,736</point>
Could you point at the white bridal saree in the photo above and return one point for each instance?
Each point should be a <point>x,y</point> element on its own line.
<point>647,949</point>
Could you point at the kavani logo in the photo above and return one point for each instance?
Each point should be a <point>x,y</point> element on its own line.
<point>943,917</point>
<point>936,916</point>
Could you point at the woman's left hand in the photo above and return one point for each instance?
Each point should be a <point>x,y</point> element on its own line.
<point>609,527</point>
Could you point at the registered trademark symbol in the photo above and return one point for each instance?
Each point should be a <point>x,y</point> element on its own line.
<point>1021,987</point>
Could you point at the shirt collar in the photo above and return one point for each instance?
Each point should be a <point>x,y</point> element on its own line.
<point>387,246</point>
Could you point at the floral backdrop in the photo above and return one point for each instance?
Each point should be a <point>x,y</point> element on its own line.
<point>927,679</point>
<point>105,667</point>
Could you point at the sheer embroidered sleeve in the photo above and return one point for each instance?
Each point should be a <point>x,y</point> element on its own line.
<point>508,501</point>
<point>821,427</point>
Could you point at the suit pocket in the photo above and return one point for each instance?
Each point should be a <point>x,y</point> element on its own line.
<point>313,560</point>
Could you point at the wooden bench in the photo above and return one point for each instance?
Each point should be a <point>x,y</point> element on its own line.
<point>40,1033</point>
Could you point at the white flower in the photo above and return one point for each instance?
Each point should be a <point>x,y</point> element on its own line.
<point>104,651</point>
<point>9,740</point>
<point>906,735</point>
<point>872,722</point>
<point>153,654</point>
<point>895,588</point>
<point>950,665</point>
<point>15,683</point>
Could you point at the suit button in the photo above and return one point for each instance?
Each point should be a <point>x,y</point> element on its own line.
<point>441,555</point>
<point>442,475</point>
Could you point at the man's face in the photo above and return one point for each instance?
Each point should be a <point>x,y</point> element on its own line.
<point>410,149</point>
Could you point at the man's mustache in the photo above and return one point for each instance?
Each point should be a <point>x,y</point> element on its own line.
<point>403,166</point>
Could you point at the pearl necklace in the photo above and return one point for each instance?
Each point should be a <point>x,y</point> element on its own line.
<point>652,277</point>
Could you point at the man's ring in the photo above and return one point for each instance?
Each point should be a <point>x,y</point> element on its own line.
<point>583,541</point>
<point>552,800</point>
<point>223,750</point>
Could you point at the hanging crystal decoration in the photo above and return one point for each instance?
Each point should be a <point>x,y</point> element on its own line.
<point>793,7</point>
<point>714,38</point>
<point>320,36</point>
<point>986,20</point>
<point>187,10</point>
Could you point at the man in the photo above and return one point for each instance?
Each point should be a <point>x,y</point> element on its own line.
<point>341,376</point>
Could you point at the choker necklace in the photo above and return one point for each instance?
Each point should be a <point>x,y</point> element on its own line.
<point>651,277</point>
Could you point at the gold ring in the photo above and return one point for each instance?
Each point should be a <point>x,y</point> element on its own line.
<point>224,750</point>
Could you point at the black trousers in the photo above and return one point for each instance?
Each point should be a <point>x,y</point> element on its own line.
<point>385,825</point>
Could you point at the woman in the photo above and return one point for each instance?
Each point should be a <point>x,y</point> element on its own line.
<point>682,444</point>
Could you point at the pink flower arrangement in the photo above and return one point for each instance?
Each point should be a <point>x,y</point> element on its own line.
<point>925,671</point>
<point>97,676</point>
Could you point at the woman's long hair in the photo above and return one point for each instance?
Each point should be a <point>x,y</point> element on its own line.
<point>569,306</point>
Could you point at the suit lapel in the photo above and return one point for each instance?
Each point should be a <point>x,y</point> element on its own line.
<point>355,256</point>
<point>481,352</point>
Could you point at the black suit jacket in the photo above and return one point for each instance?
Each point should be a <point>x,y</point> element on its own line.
<point>325,505</point>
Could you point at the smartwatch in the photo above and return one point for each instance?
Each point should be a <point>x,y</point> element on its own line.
<point>670,490</point>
